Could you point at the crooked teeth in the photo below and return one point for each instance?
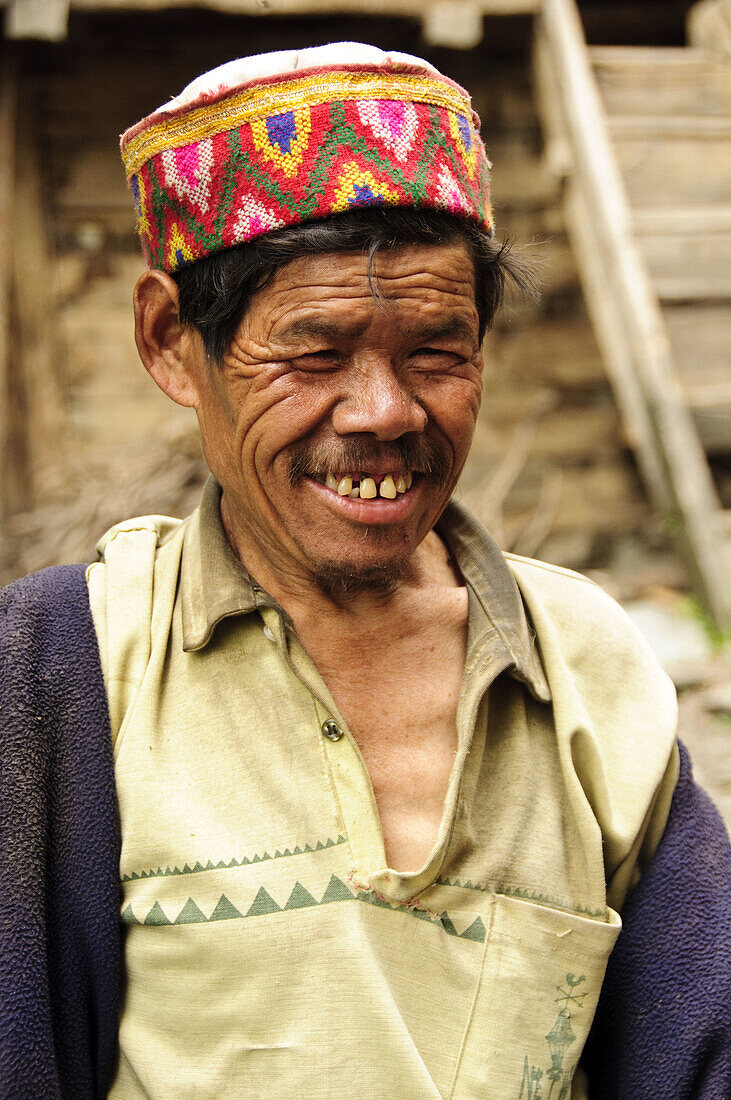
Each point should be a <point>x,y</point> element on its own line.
<point>387,488</point>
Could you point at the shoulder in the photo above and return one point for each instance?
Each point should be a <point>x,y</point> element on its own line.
<point>51,603</point>
<point>132,547</point>
<point>135,579</point>
<point>614,711</point>
<point>584,635</point>
<point>571,600</point>
<point>60,582</point>
<point>46,631</point>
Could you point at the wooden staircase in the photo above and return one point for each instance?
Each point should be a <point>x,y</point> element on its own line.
<point>669,114</point>
<point>641,138</point>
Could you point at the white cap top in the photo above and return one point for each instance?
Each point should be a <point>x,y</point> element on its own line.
<point>262,65</point>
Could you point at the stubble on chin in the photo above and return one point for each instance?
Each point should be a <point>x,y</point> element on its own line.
<point>341,582</point>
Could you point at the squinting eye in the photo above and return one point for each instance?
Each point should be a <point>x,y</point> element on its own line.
<point>325,359</point>
<point>433,358</point>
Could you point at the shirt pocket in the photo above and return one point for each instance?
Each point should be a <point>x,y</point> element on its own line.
<point>542,972</point>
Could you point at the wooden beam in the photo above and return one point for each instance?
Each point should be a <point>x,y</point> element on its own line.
<point>34,311</point>
<point>414,9</point>
<point>456,24</point>
<point>612,338</point>
<point>637,311</point>
<point>709,26</point>
<point>43,19</point>
<point>8,102</point>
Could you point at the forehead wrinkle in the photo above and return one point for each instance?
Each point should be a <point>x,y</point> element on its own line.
<point>351,273</point>
<point>336,289</point>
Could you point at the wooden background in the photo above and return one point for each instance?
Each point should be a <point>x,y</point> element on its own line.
<point>92,440</point>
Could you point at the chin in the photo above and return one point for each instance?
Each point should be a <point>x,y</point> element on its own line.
<point>339,580</point>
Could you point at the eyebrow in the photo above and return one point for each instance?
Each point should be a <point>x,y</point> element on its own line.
<point>305,327</point>
<point>312,327</point>
<point>444,330</point>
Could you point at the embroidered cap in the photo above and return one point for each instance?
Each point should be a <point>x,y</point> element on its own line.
<point>281,138</point>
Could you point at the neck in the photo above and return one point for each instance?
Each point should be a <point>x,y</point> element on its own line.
<point>364,600</point>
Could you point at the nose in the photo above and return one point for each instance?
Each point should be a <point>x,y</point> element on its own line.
<point>379,404</point>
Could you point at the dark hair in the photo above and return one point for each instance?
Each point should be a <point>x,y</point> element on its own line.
<point>215,292</point>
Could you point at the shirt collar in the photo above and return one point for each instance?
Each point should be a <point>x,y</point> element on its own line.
<point>483,566</point>
<point>214,585</point>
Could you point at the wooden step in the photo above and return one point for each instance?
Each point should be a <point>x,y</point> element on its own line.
<point>670,123</point>
<point>680,162</point>
<point>711,411</point>
<point>701,341</point>
<point>671,220</point>
<point>700,336</point>
<point>724,524</point>
<point>688,266</point>
<point>662,80</point>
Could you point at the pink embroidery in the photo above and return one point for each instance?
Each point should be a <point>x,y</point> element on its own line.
<point>188,172</point>
<point>394,122</point>
<point>449,193</point>
<point>252,219</point>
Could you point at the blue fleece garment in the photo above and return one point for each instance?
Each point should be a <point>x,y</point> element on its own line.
<point>662,1030</point>
<point>60,958</point>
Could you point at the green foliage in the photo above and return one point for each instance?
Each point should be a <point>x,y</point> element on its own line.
<point>718,636</point>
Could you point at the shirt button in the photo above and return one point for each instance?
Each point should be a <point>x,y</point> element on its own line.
<point>332,730</point>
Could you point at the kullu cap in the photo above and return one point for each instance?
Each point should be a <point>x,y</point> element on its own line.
<point>282,138</point>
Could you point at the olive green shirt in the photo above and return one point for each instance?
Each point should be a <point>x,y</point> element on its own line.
<point>270,951</point>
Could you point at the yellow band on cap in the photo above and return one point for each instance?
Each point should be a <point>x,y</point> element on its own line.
<point>262,101</point>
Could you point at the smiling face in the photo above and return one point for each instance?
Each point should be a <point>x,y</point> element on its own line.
<point>325,390</point>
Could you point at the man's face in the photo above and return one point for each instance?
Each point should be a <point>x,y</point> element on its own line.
<point>326,389</point>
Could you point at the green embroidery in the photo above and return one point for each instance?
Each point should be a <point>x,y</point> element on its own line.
<point>476,931</point>
<point>198,867</point>
<point>527,894</point>
<point>190,914</point>
<point>559,1039</point>
<point>156,915</point>
<point>262,904</point>
<point>570,996</point>
<point>530,1089</point>
<point>300,898</point>
<point>336,891</point>
<point>447,924</point>
<point>224,910</point>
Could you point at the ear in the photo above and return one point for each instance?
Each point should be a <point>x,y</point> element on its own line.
<point>169,350</point>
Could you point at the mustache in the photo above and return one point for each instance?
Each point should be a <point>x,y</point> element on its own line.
<point>410,452</point>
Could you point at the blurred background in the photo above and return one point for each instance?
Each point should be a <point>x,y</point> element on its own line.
<point>604,442</point>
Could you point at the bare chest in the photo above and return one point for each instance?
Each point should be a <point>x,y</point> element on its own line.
<point>400,703</point>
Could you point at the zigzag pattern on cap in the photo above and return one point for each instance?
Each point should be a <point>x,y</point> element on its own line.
<point>284,150</point>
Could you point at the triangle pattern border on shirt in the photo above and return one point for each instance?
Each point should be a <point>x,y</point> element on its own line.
<point>300,897</point>
<point>222,865</point>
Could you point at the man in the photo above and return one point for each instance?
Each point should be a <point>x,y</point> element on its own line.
<point>382,791</point>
